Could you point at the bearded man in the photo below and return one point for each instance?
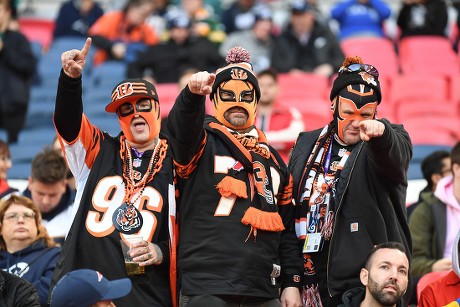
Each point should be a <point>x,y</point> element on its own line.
<point>385,277</point>
<point>236,218</point>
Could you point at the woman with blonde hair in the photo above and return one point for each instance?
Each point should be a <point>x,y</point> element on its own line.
<point>26,249</point>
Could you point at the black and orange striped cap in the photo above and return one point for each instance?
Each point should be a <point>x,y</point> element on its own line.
<point>131,89</point>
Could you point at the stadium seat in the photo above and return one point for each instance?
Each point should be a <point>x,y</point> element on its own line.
<point>19,170</point>
<point>428,56</point>
<point>167,94</point>
<point>316,112</point>
<point>38,30</point>
<point>302,86</point>
<point>379,52</point>
<point>407,87</point>
<point>420,107</point>
<point>427,279</point>
<point>433,130</point>
<point>455,88</point>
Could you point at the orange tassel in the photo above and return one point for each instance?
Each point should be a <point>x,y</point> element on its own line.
<point>269,221</point>
<point>231,186</point>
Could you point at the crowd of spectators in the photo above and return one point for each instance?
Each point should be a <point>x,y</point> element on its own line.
<point>161,41</point>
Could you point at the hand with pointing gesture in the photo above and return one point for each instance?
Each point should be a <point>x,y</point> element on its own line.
<point>371,129</point>
<point>73,61</point>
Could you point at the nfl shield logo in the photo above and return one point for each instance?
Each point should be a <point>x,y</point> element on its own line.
<point>137,162</point>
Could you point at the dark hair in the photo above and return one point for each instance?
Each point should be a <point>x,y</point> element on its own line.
<point>134,3</point>
<point>48,167</point>
<point>432,164</point>
<point>455,154</point>
<point>270,72</point>
<point>390,245</point>
<point>42,233</point>
<point>4,149</point>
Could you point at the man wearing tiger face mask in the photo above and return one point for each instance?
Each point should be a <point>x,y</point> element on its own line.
<point>237,243</point>
<point>350,181</point>
<point>125,187</point>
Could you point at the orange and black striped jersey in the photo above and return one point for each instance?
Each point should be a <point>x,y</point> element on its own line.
<point>93,241</point>
<point>215,254</point>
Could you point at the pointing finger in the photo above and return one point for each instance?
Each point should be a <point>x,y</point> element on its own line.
<point>86,47</point>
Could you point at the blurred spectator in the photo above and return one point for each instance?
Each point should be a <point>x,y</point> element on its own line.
<point>446,290</point>
<point>434,225</point>
<point>280,124</point>
<point>75,17</point>
<point>120,35</point>
<point>157,19</point>
<point>361,17</point>
<point>85,287</point>
<point>17,68</point>
<point>204,21</point>
<point>56,146</point>
<point>258,41</point>
<point>26,249</point>
<point>306,45</point>
<point>239,16</point>
<point>423,17</point>
<point>49,191</point>
<point>13,24</point>
<point>434,167</point>
<point>17,292</point>
<point>164,62</point>
<point>5,165</point>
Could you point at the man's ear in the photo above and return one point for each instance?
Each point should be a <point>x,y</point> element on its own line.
<point>364,276</point>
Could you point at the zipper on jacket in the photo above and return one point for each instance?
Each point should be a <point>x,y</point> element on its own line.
<point>335,222</point>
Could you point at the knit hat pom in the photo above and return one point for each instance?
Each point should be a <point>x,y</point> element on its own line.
<point>238,55</point>
<point>352,60</point>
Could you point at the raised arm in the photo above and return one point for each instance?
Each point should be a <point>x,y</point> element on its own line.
<point>185,121</point>
<point>69,106</point>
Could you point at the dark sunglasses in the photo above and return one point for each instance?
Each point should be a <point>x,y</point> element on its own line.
<point>371,70</point>
<point>142,105</point>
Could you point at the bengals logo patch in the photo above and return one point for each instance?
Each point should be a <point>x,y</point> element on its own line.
<point>368,78</point>
<point>239,74</point>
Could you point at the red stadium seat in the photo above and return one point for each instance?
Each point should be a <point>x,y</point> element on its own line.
<point>455,89</point>
<point>428,55</point>
<point>419,107</point>
<point>303,86</point>
<point>407,87</point>
<point>37,30</point>
<point>433,130</point>
<point>427,279</point>
<point>379,52</point>
<point>167,94</point>
<point>316,112</point>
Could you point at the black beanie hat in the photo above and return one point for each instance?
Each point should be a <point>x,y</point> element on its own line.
<point>346,78</point>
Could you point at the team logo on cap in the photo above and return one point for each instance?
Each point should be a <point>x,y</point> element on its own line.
<point>123,90</point>
<point>239,74</point>
<point>99,276</point>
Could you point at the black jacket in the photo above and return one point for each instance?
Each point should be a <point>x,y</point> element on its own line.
<point>16,292</point>
<point>322,48</point>
<point>354,298</point>
<point>430,18</point>
<point>166,61</point>
<point>371,193</point>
